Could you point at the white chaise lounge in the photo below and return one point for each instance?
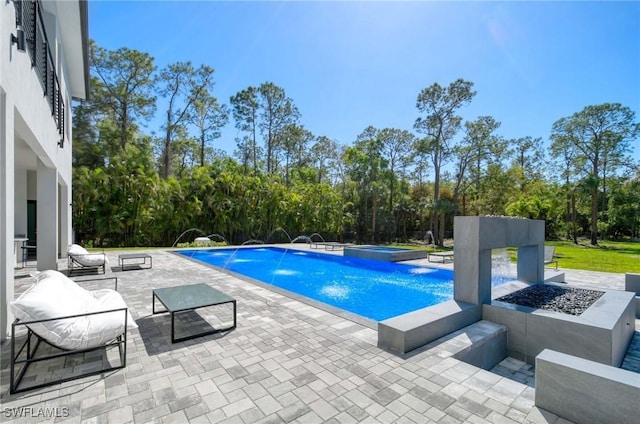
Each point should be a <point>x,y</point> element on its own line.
<point>57,311</point>
<point>81,261</point>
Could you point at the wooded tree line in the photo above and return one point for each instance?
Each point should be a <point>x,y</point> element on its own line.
<point>132,187</point>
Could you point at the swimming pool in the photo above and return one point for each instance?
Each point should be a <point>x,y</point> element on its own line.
<point>372,289</point>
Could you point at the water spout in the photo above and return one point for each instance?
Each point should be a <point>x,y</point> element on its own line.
<point>219,237</point>
<point>315,234</point>
<point>501,267</point>
<point>185,232</point>
<point>275,231</point>
<point>306,239</point>
<point>252,241</point>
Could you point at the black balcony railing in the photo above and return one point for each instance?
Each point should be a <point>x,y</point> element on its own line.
<point>29,18</point>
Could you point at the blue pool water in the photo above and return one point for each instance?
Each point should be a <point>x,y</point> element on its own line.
<point>373,289</point>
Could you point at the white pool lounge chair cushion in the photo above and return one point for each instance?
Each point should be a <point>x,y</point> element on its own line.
<point>55,295</point>
<point>82,255</point>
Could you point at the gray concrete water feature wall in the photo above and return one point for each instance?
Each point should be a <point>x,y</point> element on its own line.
<point>602,334</point>
<point>475,237</point>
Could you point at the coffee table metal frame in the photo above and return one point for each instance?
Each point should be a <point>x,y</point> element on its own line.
<point>189,298</point>
<point>129,256</point>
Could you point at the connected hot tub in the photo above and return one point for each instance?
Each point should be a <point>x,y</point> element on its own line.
<point>383,253</point>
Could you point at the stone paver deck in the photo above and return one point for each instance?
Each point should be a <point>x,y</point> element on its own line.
<point>285,362</point>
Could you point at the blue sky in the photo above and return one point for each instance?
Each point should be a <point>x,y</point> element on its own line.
<point>347,65</point>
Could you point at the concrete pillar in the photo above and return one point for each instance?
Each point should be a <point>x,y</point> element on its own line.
<point>531,263</point>
<point>65,218</point>
<point>20,201</point>
<point>7,175</point>
<point>47,217</point>
<point>472,267</point>
<point>476,236</point>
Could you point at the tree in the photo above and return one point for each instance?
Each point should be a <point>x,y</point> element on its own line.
<point>366,164</point>
<point>292,142</point>
<point>481,147</point>
<point>439,125</point>
<point>568,160</point>
<point>123,88</point>
<point>528,159</point>
<point>267,110</point>
<point>323,150</point>
<point>276,112</point>
<point>183,85</point>
<point>245,113</point>
<point>87,150</point>
<point>396,149</point>
<point>208,117</point>
<point>601,136</point>
<point>624,204</point>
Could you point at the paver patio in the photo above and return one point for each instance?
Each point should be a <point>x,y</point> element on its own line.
<point>285,362</point>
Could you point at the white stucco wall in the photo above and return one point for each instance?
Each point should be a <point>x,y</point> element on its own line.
<point>7,259</point>
<point>26,119</point>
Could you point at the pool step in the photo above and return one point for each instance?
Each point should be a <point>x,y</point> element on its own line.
<point>487,348</point>
<point>482,344</point>
<point>412,330</point>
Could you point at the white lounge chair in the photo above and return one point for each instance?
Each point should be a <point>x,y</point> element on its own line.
<point>57,311</point>
<point>444,256</point>
<point>81,261</point>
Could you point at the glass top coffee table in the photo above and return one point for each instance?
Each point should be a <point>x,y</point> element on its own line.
<point>188,298</point>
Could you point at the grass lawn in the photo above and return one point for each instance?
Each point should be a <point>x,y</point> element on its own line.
<point>609,256</point>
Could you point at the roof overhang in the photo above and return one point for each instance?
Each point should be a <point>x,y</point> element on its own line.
<point>73,20</point>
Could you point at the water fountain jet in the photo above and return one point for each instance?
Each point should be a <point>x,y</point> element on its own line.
<point>316,234</point>
<point>251,241</point>
<point>218,236</point>
<point>501,267</point>
<point>186,232</point>
<point>306,239</point>
<point>275,231</point>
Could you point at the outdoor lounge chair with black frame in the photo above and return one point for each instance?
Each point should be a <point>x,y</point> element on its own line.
<point>71,320</point>
<point>81,261</point>
<point>549,255</point>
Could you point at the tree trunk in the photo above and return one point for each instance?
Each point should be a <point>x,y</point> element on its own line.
<point>594,216</point>
<point>568,215</point>
<point>202,141</point>
<point>437,235</point>
<point>123,128</point>
<point>433,227</point>
<point>167,147</point>
<point>269,152</point>
<point>254,150</point>
<point>374,203</point>
<point>441,231</point>
<point>573,217</point>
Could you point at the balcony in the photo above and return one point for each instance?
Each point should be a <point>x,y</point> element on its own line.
<point>29,18</point>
